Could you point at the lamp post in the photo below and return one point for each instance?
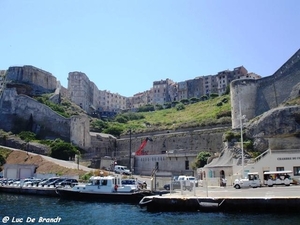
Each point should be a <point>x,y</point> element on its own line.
<point>130,150</point>
<point>241,128</point>
<point>242,141</point>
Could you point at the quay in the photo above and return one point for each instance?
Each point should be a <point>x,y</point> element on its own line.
<point>280,199</point>
<point>29,190</point>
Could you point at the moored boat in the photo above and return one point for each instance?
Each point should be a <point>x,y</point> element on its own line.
<point>107,188</point>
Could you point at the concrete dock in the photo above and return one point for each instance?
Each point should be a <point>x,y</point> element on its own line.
<point>29,190</point>
<point>267,199</point>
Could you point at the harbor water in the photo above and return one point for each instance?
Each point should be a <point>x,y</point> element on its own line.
<point>25,209</point>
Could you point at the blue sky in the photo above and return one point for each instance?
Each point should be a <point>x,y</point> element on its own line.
<point>123,46</point>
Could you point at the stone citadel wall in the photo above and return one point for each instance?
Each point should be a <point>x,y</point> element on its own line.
<point>40,81</point>
<point>45,121</point>
<point>190,142</point>
<point>254,96</point>
<point>259,96</point>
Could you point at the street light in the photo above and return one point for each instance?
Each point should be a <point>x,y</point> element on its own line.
<point>241,128</point>
<point>130,150</point>
<point>242,144</point>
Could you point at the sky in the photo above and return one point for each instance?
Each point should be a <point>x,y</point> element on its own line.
<point>124,46</point>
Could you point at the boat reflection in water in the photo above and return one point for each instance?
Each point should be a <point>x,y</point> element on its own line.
<point>107,188</point>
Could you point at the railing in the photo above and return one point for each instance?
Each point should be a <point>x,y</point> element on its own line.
<point>261,156</point>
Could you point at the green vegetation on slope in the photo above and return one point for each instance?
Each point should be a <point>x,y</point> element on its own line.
<point>214,111</point>
<point>65,108</point>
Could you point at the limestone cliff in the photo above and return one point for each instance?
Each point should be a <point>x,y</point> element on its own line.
<point>280,126</point>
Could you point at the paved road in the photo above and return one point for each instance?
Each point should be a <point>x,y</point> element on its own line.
<point>67,164</point>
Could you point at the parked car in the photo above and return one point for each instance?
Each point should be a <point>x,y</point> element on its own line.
<point>122,170</point>
<point>187,183</point>
<point>55,182</point>
<point>192,180</point>
<point>67,182</point>
<point>174,184</point>
<point>48,181</point>
<point>32,181</point>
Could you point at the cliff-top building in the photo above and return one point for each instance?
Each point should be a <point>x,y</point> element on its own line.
<point>86,94</point>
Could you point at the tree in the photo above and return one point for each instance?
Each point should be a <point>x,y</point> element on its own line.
<point>63,150</point>
<point>201,159</point>
<point>2,160</point>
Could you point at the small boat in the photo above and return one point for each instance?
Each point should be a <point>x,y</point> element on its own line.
<point>106,189</point>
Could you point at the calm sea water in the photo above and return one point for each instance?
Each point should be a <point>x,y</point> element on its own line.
<point>22,209</point>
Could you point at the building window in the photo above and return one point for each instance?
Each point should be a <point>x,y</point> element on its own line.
<point>187,166</point>
<point>296,170</point>
<point>279,168</point>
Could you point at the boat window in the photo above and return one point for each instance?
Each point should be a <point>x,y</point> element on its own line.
<point>104,182</point>
<point>97,182</point>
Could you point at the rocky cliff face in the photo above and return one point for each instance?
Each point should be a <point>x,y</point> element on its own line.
<point>280,126</point>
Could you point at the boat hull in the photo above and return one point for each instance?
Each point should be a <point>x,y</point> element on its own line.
<point>51,192</point>
<point>133,197</point>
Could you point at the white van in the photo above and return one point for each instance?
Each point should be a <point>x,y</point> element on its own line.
<point>188,180</point>
<point>122,170</point>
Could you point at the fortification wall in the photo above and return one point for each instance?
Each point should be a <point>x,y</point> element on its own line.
<point>266,93</point>
<point>40,81</point>
<point>80,131</point>
<point>45,121</point>
<point>191,142</point>
<point>243,100</point>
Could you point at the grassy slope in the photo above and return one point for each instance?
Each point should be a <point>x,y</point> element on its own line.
<point>198,114</point>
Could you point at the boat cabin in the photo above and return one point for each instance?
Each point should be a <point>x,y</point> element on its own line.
<point>107,184</point>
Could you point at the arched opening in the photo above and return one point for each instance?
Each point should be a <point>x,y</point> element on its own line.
<point>222,174</point>
<point>222,179</point>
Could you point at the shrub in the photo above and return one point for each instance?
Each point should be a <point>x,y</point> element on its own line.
<point>174,103</point>
<point>185,101</point>
<point>180,106</point>
<point>114,130</point>
<point>2,160</point>
<point>168,105</point>
<point>194,100</point>
<point>203,98</point>
<point>121,119</point>
<point>229,136</point>
<point>214,95</point>
<point>224,114</point>
<point>63,150</point>
<point>27,136</point>
<point>158,107</point>
<point>146,108</point>
<point>99,125</point>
